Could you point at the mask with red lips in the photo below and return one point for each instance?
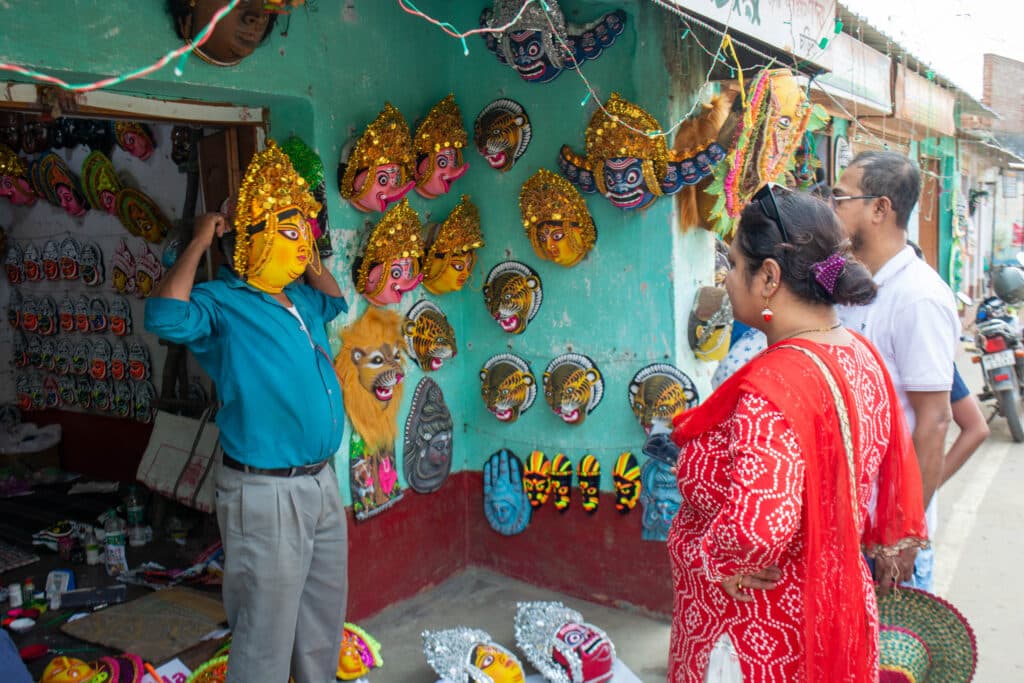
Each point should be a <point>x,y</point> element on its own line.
<point>379,169</point>
<point>513,295</point>
<point>507,386</point>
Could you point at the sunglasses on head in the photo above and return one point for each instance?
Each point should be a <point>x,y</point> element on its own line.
<point>765,199</point>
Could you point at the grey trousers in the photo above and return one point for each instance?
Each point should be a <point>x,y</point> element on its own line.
<point>285,574</point>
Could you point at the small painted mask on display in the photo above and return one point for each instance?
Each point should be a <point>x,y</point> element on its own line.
<point>80,358</point>
<point>119,361</point>
<point>659,498</point>
<point>82,311</point>
<point>507,386</point>
<point>136,138</point>
<point>19,350</point>
<point>52,179</point>
<point>506,506</point>
<point>14,307</point>
<point>390,265</point>
<point>51,260</point>
<point>99,317</point>
<point>659,392</point>
<point>66,314</point>
<point>537,478</point>
<point>451,251</point>
<point>590,647</point>
<point>428,439</point>
<point>48,323</point>
<point>91,262</point>
<point>14,178</point>
<point>141,216</point>
<point>359,653</point>
<point>14,264</point>
<point>47,350</point>
<point>588,476</point>
<point>465,654</point>
<point>561,482</point>
<point>573,387</point>
<point>556,219</point>
<point>561,645</point>
<point>502,132</point>
<point>24,392</point>
<point>83,391</point>
<point>379,169</point>
<point>120,316</point>
<point>182,143</point>
<point>100,182</point>
<point>429,336</point>
<point>138,360</point>
<point>498,663</point>
<point>102,395</point>
<point>33,264</point>
<point>66,391</point>
<point>437,146</point>
<point>709,327</point>
<point>69,254</point>
<point>34,349</point>
<point>67,670</point>
<point>144,402</point>
<point>121,402</point>
<point>237,34</point>
<point>62,356</point>
<point>10,130</point>
<point>627,482</point>
<point>30,315</point>
<point>123,277</point>
<point>35,136</point>
<point>37,392</point>
<point>148,270</point>
<point>513,295</point>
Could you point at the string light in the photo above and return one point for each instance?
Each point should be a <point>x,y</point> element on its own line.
<point>182,53</point>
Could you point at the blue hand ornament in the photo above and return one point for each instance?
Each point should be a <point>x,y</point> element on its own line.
<point>506,505</point>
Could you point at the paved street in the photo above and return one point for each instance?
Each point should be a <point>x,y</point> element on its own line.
<point>979,552</point>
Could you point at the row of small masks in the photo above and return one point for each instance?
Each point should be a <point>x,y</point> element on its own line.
<point>97,358</point>
<point>84,314</point>
<point>66,260</point>
<point>122,399</point>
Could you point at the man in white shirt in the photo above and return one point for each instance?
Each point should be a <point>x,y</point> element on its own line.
<point>913,322</point>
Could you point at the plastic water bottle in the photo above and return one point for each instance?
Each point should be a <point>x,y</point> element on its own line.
<point>116,561</point>
<point>135,512</point>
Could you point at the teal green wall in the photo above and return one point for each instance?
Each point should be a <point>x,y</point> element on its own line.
<point>944,149</point>
<point>625,306</point>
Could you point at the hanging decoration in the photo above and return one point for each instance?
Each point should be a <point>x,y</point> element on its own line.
<point>537,479</point>
<point>390,263</point>
<point>438,147</point>
<point>70,251</point>
<point>14,179</point>
<point>573,387</point>
<point>379,169</point>
<point>48,321</point>
<point>99,318</point>
<point>139,367</point>
<point>451,249</point>
<point>709,327</point>
<point>36,136</point>
<point>14,307</point>
<point>120,316</point>
<point>427,453</point>
<point>359,653</point>
<point>51,260</point>
<point>561,645</point>
<point>561,482</point>
<point>148,272</point>
<point>100,182</point>
<point>659,392</point>
<point>429,336</point>
<point>465,655</point>
<point>659,498</point>
<point>507,386</point>
<point>538,42</point>
<point>588,477</point>
<point>371,367</point>
<point>556,219</point>
<point>33,263</point>
<point>135,138</point>
<point>506,505</point>
<point>374,477</point>
<point>123,268</point>
<point>713,125</point>
<point>513,295</point>
<point>99,366</point>
<point>119,361</point>
<point>90,262</point>
<point>626,478</point>
<point>140,215</point>
<point>232,33</point>
<point>308,164</point>
<point>14,264</point>
<point>52,179</point>
<point>501,133</point>
<point>631,168</point>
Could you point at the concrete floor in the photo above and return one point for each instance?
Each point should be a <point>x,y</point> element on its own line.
<point>482,599</point>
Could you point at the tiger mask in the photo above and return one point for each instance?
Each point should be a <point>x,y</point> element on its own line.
<point>513,295</point>
<point>502,133</point>
<point>658,393</point>
<point>507,386</point>
<point>573,387</point>
<point>430,336</point>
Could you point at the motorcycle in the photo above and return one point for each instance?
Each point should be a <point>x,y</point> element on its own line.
<point>1000,349</point>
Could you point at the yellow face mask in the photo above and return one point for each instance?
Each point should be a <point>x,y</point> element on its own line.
<point>280,253</point>
<point>497,664</point>
<point>453,275</point>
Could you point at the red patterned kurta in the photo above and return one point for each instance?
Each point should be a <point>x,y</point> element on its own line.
<point>743,497</point>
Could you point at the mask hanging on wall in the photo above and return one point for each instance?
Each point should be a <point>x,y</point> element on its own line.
<point>374,478</point>
<point>501,133</point>
<point>463,654</point>
<point>51,178</point>
<point>556,219</point>
<point>573,387</point>
<point>29,315</point>
<point>513,295</point>
<point>710,324</point>
<point>561,482</point>
<point>19,350</point>
<point>236,35</point>
<point>427,456</point>
<point>82,311</point>
<point>119,361</point>
<point>429,336</point>
<point>359,653</point>
<point>100,182</point>
<point>148,272</point>
<point>627,166</point>
<point>51,260</point>
<point>48,351</point>
<point>140,215</point>
<point>66,391</point>
<point>14,264</point>
<point>438,147</point>
<point>139,367</point>
<point>144,402</point>
<point>588,476</point>
<point>507,386</point>
<point>123,269</point>
<point>561,645</point>
<point>121,401</point>
<point>90,263</point>
<point>308,164</point>
<point>36,136</point>
<point>62,357</point>
<point>99,316</point>
<point>120,316</point>
<point>451,252</point>
<point>70,252</point>
<point>34,349</point>
<point>33,263</point>
<point>80,356</point>
<point>626,478</point>
<point>379,169</point>
<point>390,264</point>
<point>371,367</point>
<point>699,142</point>
<point>538,53</point>
<point>659,392</point>
<point>99,365</point>
<point>66,314</point>
<point>49,323</point>
<point>506,505</point>
<point>136,138</point>
<point>15,184</point>
<point>537,479</point>
<point>14,307</point>
<point>659,498</point>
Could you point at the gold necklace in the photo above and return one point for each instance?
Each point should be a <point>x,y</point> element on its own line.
<point>813,329</point>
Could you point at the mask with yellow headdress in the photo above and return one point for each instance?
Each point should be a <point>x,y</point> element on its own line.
<point>628,160</point>
<point>556,219</point>
<point>378,171</point>
<point>14,179</point>
<point>51,178</point>
<point>450,258</point>
<point>100,182</point>
<point>134,138</point>
<point>273,239</point>
<point>390,264</point>
<point>438,146</point>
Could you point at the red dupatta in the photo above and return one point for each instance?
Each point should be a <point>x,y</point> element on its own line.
<point>837,627</point>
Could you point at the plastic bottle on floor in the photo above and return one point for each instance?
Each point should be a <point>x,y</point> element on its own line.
<point>134,510</point>
<point>116,561</point>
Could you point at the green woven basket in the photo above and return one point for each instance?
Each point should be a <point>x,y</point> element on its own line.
<point>916,626</point>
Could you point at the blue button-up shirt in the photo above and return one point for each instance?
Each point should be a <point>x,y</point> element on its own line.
<point>281,401</point>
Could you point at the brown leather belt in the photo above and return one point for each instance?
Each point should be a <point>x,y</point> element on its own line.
<point>275,472</point>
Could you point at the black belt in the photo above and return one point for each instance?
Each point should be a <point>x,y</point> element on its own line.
<point>275,472</point>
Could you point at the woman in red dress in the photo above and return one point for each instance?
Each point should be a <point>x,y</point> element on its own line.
<point>795,465</point>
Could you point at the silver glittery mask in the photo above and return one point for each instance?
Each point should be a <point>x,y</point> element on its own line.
<point>563,647</point>
<point>462,655</point>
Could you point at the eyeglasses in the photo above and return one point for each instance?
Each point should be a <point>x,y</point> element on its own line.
<point>836,198</point>
<point>766,201</point>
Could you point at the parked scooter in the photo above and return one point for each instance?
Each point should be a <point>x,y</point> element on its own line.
<point>1000,349</point>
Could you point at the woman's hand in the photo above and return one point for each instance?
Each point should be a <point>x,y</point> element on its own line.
<point>737,586</point>
<point>895,569</point>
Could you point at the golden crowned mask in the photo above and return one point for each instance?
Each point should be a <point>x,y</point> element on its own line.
<point>459,234</point>
<point>547,198</point>
<point>607,138</point>
<point>385,141</point>
<point>11,164</point>
<point>440,130</point>
<point>270,186</point>
<point>396,236</point>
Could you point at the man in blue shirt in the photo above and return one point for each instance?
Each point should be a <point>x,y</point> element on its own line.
<point>260,335</point>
